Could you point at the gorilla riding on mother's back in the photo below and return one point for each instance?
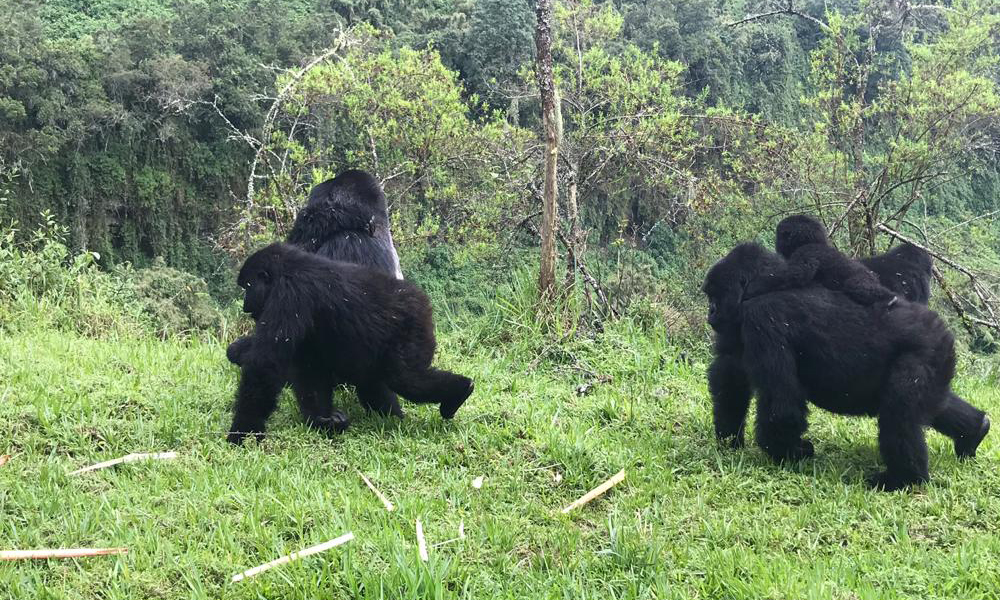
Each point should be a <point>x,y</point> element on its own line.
<point>815,344</point>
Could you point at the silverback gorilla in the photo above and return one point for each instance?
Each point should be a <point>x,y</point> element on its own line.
<point>346,219</point>
<point>816,344</point>
<point>320,322</point>
<point>905,270</point>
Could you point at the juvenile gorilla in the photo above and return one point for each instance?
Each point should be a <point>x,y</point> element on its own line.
<point>320,322</point>
<point>803,241</point>
<point>815,344</point>
<point>906,270</point>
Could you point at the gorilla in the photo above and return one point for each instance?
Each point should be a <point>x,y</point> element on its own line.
<point>346,219</point>
<point>320,322</point>
<point>906,270</point>
<point>810,257</point>
<point>815,344</point>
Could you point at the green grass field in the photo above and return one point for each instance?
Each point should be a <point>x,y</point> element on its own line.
<point>689,521</point>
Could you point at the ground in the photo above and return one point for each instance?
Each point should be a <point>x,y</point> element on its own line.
<point>690,521</point>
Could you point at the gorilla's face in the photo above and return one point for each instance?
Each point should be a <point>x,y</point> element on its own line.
<point>255,279</point>
<point>725,293</point>
<point>726,283</point>
<point>256,290</point>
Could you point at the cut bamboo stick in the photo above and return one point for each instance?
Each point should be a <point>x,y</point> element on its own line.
<point>597,491</point>
<point>388,505</point>
<point>294,556</point>
<point>58,553</point>
<point>135,456</point>
<point>421,542</point>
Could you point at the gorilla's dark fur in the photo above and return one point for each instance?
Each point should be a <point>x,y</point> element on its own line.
<point>906,270</point>
<point>803,241</point>
<point>320,322</point>
<point>346,218</point>
<point>815,344</point>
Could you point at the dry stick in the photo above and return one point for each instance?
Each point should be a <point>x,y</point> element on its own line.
<point>421,542</point>
<point>461,536</point>
<point>388,505</point>
<point>597,491</point>
<point>127,459</point>
<point>294,556</point>
<point>58,553</point>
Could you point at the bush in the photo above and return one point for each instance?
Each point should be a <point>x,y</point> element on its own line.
<point>175,302</point>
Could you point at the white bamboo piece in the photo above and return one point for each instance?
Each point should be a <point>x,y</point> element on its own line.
<point>294,556</point>
<point>421,542</point>
<point>58,553</point>
<point>135,456</point>
<point>388,505</point>
<point>597,491</point>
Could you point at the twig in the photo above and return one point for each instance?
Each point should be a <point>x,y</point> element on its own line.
<point>388,505</point>
<point>597,491</point>
<point>461,536</point>
<point>127,459</point>
<point>58,553</point>
<point>421,542</point>
<point>294,556</point>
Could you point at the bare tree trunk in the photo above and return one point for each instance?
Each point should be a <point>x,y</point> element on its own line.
<point>551,125</point>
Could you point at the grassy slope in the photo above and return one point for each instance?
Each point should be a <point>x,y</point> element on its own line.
<point>690,521</point>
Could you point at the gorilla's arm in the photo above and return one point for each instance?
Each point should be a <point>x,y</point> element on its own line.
<point>798,271</point>
<point>318,222</point>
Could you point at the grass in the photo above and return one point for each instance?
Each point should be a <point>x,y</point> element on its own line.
<point>689,521</point>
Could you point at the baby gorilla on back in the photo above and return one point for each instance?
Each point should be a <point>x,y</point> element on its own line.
<point>803,240</point>
<point>320,322</point>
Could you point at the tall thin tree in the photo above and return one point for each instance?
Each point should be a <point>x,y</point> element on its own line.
<point>552,126</point>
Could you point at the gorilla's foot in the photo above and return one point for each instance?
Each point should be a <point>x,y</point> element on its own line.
<point>890,482</point>
<point>804,449</point>
<point>450,406</point>
<point>237,437</point>
<point>337,422</point>
<point>966,446</point>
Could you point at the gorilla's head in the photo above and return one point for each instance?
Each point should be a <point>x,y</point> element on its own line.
<point>257,275</point>
<point>727,280</point>
<point>796,231</point>
<point>352,187</point>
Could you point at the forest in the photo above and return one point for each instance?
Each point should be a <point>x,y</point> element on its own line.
<point>560,200</point>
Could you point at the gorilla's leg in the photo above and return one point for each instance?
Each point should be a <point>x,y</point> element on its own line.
<point>256,398</point>
<point>781,402</point>
<point>377,397</point>
<point>963,423</point>
<point>314,392</point>
<point>431,385</point>
<point>906,400</point>
<point>731,392</point>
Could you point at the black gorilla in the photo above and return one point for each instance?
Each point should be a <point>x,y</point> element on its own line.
<point>320,322</point>
<point>814,344</point>
<point>803,241</point>
<point>906,270</point>
<point>346,219</point>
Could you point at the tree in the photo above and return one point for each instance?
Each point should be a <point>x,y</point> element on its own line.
<point>551,125</point>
